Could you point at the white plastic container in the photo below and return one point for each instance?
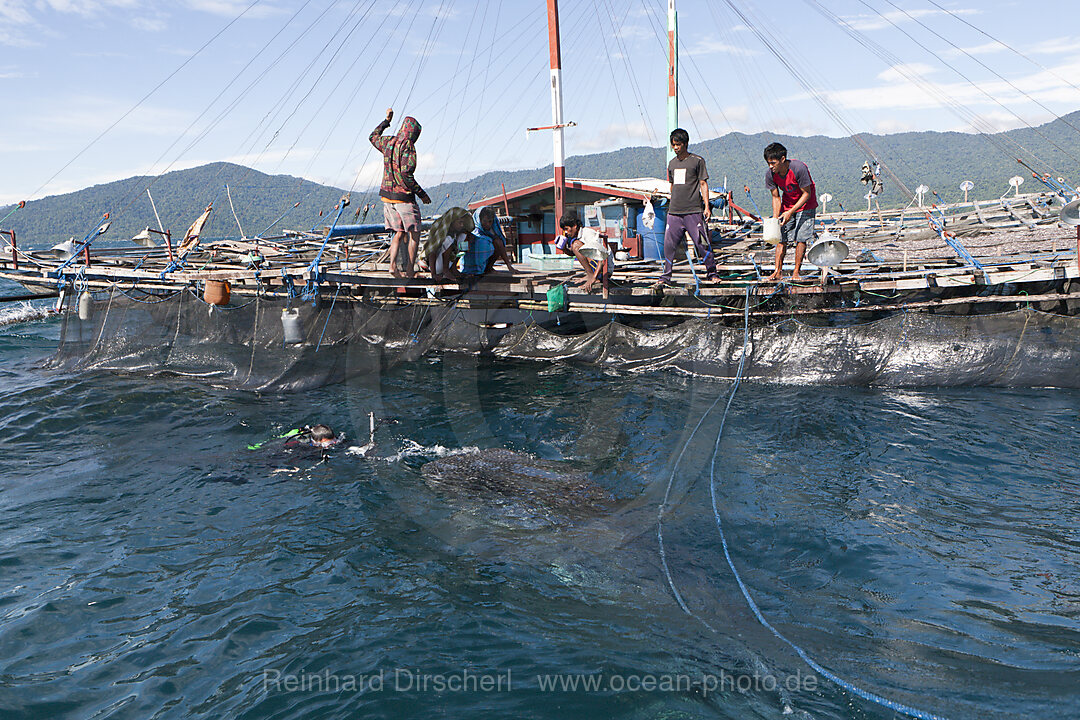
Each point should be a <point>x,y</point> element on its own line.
<point>290,324</point>
<point>770,230</point>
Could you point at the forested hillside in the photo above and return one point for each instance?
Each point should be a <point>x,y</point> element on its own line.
<point>939,160</point>
<point>180,197</point>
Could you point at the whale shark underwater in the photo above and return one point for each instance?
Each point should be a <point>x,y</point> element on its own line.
<point>500,477</point>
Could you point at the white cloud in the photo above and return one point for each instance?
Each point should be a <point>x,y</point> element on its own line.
<point>636,32</point>
<point>86,7</point>
<point>12,147</point>
<point>147,24</point>
<point>21,21</point>
<point>904,87</point>
<point>233,8</point>
<point>84,116</point>
<point>900,73</point>
<point>893,125</point>
<point>15,12</point>
<point>881,21</point>
<point>1056,46</point>
<point>714,123</point>
<point>985,49</point>
<point>615,135</point>
<point>710,46</point>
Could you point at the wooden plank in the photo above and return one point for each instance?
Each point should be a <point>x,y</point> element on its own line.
<point>1009,208</point>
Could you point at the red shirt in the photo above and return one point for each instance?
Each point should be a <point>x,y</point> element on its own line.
<point>791,185</point>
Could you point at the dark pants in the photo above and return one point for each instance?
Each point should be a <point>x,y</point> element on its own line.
<point>693,225</point>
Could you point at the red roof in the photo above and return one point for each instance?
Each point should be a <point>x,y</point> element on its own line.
<point>549,186</point>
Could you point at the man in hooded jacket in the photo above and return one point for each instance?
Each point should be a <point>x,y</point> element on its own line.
<point>399,189</point>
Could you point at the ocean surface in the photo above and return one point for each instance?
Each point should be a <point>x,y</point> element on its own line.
<point>923,546</point>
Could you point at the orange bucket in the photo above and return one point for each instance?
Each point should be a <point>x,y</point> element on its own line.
<point>216,292</point>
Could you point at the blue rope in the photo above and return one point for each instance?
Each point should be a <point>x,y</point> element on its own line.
<point>816,666</point>
<point>667,495</point>
<point>288,283</point>
<point>103,223</point>
<point>311,288</point>
<point>328,314</point>
<point>752,202</point>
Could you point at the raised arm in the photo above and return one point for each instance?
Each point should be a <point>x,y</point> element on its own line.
<point>376,137</point>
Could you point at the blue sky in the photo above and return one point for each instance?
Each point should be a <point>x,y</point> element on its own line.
<point>287,86</point>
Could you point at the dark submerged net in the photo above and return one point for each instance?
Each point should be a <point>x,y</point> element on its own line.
<point>243,345</point>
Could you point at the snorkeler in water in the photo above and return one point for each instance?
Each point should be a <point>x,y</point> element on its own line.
<point>305,440</point>
<point>322,437</point>
<point>316,436</point>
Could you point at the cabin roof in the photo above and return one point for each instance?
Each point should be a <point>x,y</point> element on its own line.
<point>631,188</point>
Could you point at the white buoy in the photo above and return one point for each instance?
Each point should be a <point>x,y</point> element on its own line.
<point>920,192</point>
<point>86,306</point>
<point>291,326</point>
<point>825,199</point>
<point>1016,181</point>
<point>967,186</point>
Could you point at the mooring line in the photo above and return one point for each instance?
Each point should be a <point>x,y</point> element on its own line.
<point>671,478</point>
<point>816,666</point>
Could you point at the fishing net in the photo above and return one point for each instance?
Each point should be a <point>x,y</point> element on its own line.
<point>1020,348</point>
<point>243,345</point>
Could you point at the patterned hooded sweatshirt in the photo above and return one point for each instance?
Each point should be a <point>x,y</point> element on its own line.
<point>399,160</point>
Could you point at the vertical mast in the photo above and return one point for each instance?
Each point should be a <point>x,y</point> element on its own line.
<point>673,74</point>
<point>556,108</point>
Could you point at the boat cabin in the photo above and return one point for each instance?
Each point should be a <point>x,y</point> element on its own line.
<point>614,207</point>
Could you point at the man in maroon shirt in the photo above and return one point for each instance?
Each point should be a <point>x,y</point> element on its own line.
<point>794,200</point>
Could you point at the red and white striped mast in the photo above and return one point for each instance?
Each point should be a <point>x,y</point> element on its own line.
<point>673,73</point>
<point>557,109</point>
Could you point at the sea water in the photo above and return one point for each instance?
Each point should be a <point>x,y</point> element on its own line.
<point>920,544</point>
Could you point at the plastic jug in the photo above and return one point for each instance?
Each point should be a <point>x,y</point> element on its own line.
<point>290,324</point>
<point>770,230</point>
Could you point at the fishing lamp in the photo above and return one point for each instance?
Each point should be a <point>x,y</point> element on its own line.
<point>65,250</point>
<point>146,239</point>
<point>827,251</point>
<point>1070,215</point>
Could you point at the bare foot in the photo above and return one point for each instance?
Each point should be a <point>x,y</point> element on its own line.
<point>796,277</point>
<point>775,277</point>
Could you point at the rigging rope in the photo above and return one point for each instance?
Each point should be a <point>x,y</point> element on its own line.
<point>977,123</point>
<point>147,96</point>
<point>1004,44</point>
<point>822,101</point>
<point>991,70</point>
<point>806,657</point>
<point>966,78</point>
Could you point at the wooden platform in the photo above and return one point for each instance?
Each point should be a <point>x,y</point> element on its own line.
<point>1045,273</point>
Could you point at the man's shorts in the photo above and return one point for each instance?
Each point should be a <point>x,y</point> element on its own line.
<point>401,216</point>
<point>799,229</point>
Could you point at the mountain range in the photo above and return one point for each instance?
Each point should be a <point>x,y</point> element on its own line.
<point>938,160</point>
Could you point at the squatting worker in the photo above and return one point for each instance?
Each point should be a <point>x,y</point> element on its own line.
<point>794,201</point>
<point>689,209</point>
<point>587,246</point>
<point>399,189</point>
